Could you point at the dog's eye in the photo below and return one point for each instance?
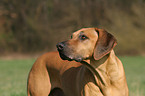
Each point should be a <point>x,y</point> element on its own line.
<point>83,37</point>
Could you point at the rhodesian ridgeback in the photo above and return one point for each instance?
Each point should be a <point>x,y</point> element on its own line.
<point>85,65</point>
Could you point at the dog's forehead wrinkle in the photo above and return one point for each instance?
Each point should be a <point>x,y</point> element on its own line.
<point>75,33</point>
<point>81,33</point>
<point>92,33</point>
<point>89,32</point>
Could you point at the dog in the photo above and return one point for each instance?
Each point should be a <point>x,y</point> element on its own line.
<point>85,65</point>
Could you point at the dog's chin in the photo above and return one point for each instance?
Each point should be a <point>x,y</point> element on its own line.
<point>64,57</point>
<point>69,58</point>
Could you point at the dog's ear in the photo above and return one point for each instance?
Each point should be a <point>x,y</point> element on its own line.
<point>105,43</point>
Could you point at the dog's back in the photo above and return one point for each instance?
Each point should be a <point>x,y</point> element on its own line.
<point>46,72</point>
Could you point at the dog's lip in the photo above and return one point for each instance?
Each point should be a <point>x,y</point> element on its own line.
<point>70,58</point>
<point>79,59</point>
<point>64,57</point>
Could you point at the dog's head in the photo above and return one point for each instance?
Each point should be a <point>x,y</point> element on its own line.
<point>86,43</point>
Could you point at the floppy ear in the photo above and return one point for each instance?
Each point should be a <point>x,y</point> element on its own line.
<point>105,43</point>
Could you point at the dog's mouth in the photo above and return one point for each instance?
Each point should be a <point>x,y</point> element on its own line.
<point>64,57</point>
<point>70,58</point>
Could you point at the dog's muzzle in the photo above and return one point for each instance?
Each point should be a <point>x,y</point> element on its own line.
<point>62,52</point>
<point>65,52</point>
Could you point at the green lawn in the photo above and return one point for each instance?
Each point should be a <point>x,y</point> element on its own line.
<point>135,74</point>
<point>13,76</point>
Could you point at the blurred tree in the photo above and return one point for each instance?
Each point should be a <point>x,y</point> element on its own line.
<point>37,25</point>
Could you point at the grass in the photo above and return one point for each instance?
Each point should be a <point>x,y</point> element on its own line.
<point>135,74</point>
<point>13,76</point>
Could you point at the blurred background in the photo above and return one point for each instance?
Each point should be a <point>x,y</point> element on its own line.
<point>29,28</point>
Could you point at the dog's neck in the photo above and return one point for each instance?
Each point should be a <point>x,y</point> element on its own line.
<point>97,63</point>
<point>93,65</point>
<point>99,66</point>
<point>102,61</point>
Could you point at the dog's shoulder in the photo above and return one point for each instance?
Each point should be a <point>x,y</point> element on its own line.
<point>49,55</point>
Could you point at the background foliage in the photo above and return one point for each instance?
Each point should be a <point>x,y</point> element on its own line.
<point>28,26</point>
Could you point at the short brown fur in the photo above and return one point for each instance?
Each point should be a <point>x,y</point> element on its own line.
<point>50,75</point>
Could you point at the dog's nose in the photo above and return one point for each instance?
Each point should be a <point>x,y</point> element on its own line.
<point>60,46</point>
